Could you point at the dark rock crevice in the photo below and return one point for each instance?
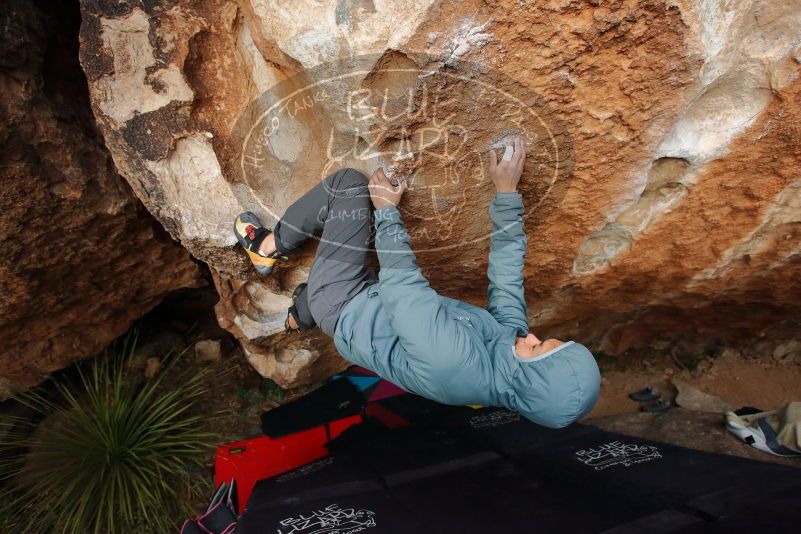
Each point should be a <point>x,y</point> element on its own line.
<point>82,258</point>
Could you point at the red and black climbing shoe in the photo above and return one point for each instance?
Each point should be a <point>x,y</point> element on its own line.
<point>250,234</point>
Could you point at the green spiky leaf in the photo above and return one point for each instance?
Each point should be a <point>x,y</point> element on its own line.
<point>104,453</point>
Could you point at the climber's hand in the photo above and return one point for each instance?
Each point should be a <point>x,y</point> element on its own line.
<point>506,173</point>
<point>382,192</point>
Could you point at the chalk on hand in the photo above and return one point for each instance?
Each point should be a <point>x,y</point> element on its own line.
<point>507,154</point>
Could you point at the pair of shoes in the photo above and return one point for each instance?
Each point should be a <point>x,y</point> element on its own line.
<point>651,400</point>
<point>250,234</point>
<point>773,432</point>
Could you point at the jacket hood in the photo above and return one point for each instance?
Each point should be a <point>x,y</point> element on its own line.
<point>553,389</point>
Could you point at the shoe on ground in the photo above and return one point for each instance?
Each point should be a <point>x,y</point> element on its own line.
<point>648,394</point>
<point>657,406</point>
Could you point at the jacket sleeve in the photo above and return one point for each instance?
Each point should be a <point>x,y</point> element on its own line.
<point>435,342</point>
<point>505,298</point>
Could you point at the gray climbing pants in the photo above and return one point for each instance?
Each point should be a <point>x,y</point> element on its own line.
<point>340,207</point>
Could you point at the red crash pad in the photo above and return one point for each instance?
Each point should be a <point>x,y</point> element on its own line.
<point>253,459</point>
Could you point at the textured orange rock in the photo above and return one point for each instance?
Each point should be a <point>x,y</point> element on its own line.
<point>249,309</point>
<point>724,263</point>
<point>662,185</point>
<point>81,258</point>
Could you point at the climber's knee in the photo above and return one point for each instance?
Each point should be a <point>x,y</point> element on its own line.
<point>351,177</point>
<point>349,185</point>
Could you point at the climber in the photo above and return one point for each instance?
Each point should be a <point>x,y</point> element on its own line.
<point>396,325</point>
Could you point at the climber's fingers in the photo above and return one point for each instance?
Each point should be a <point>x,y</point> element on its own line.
<point>383,191</point>
<point>508,152</point>
<point>380,181</point>
<point>520,151</point>
<point>402,186</point>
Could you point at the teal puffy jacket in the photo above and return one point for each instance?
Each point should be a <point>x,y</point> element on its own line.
<point>456,353</point>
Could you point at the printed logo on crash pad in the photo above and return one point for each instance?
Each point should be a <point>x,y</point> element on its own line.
<point>495,418</point>
<point>331,520</point>
<point>617,453</point>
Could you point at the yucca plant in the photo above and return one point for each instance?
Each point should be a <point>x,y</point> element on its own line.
<point>105,454</point>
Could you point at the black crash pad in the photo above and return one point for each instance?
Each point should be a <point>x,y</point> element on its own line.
<point>335,400</point>
<point>488,470</point>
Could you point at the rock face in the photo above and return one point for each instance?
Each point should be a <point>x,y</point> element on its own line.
<point>254,312</point>
<point>662,189</point>
<point>81,258</point>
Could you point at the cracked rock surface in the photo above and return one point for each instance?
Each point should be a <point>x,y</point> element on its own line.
<point>663,186</point>
<point>82,259</point>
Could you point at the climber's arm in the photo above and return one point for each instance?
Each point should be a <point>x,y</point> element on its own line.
<point>505,295</point>
<point>414,308</point>
<point>425,330</point>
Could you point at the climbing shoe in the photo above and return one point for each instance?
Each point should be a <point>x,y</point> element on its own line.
<point>250,234</point>
<point>658,406</point>
<point>648,394</point>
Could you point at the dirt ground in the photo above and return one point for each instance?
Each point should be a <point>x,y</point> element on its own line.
<point>759,382</point>
<point>239,395</point>
<point>762,383</point>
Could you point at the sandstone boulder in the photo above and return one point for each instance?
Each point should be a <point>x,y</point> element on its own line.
<point>663,187</point>
<point>81,258</point>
